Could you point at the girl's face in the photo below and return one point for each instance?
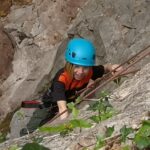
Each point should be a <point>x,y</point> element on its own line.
<point>80,72</point>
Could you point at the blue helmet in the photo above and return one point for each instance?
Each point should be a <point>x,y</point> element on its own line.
<point>80,52</point>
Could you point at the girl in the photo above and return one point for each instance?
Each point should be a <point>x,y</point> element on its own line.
<point>79,69</point>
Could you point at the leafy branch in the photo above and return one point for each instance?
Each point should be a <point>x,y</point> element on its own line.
<point>101,138</point>
<point>68,127</point>
<point>141,137</point>
<point>103,107</point>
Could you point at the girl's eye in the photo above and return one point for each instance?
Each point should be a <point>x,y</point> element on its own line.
<point>84,67</point>
<point>77,66</point>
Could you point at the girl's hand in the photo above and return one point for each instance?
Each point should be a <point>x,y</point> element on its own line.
<point>90,84</point>
<point>64,115</point>
<point>62,106</point>
<point>114,70</point>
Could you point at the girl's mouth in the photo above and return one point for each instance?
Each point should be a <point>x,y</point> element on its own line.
<point>78,77</point>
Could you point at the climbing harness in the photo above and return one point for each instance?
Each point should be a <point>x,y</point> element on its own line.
<point>32,104</point>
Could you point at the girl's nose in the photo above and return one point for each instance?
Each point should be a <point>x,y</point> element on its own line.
<point>80,70</point>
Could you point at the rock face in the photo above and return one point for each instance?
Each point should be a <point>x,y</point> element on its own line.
<point>37,31</point>
<point>6,54</point>
<point>131,100</point>
<point>40,31</point>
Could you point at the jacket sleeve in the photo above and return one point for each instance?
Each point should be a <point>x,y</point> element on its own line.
<point>58,91</point>
<point>98,71</point>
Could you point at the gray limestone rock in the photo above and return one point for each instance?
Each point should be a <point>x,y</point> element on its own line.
<point>119,29</point>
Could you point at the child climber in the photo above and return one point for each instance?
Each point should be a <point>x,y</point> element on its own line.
<point>79,69</point>
<point>74,76</point>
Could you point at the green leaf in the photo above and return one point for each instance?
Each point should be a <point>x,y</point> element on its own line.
<point>107,115</point>
<point>109,131</point>
<point>125,132</point>
<point>20,114</point>
<point>93,106</point>
<point>127,147</point>
<point>14,147</point>
<point>53,129</point>
<point>102,104</point>
<point>78,100</point>
<point>2,137</point>
<point>80,123</point>
<point>71,105</point>
<point>118,81</point>
<point>34,146</point>
<point>85,148</point>
<point>68,127</point>
<point>95,118</point>
<point>142,142</point>
<point>142,137</point>
<point>101,107</point>
<point>104,94</point>
<point>75,112</point>
<point>99,143</point>
<point>37,139</point>
<point>145,128</point>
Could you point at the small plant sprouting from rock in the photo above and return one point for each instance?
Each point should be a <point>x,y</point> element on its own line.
<point>33,146</point>
<point>103,107</point>
<point>125,132</point>
<point>14,147</point>
<point>118,81</point>
<point>2,137</point>
<point>100,142</point>
<point>68,127</point>
<point>140,138</point>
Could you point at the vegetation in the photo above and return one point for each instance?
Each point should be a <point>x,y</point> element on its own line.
<point>142,136</point>
<point>66,128</point>
<point>101,138</point>
<point>103,107</point>
<point>140,139</point>
<point>34,146</point>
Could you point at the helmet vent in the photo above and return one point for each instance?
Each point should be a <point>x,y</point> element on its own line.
<point>73,54</point>
<point>93,57</point>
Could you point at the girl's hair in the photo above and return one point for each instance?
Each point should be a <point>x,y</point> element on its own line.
<point>69,68</point>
